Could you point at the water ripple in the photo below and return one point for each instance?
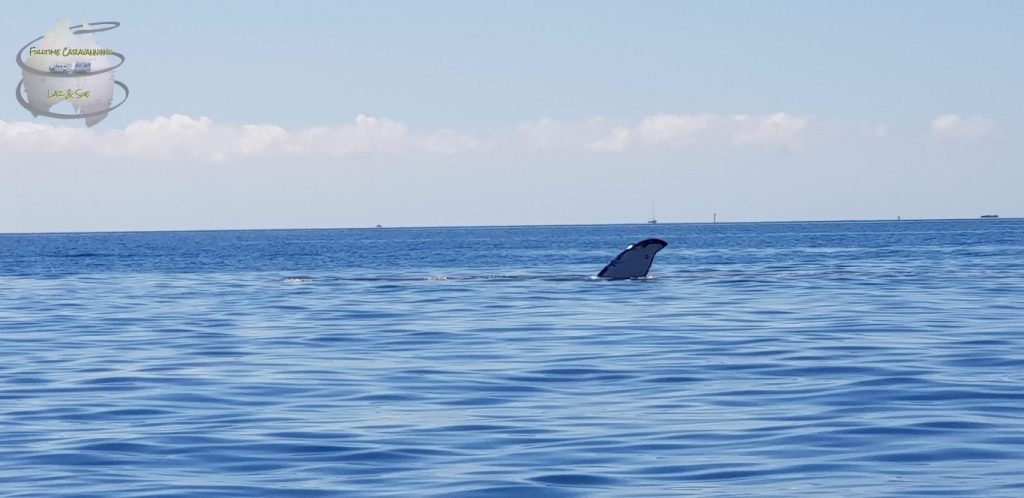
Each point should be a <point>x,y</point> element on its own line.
<point>874,359</point>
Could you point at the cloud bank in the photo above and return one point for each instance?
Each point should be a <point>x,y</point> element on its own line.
<point>189,138</point>
<point>180,137</point>
<point>956,127</point>
<point>677,130</point>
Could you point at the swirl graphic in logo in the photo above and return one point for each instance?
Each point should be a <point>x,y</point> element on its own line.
<point>66,64</point>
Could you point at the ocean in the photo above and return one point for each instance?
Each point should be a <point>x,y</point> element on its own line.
<point>849,359</point>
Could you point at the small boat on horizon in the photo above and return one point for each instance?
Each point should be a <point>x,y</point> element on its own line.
<point>990,216</point>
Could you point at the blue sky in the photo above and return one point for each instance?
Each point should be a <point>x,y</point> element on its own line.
<point>526,112</point>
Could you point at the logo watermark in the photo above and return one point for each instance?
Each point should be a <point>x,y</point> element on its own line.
<point>66,64</point>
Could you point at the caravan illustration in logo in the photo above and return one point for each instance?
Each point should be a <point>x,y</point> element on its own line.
<point>66,64</point>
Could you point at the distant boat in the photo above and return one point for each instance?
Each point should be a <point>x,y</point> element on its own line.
<point>653,220</point>
<point>379,226</point>
<point>990,216</point>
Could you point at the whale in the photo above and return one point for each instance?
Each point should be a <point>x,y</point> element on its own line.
<point>634,262</point>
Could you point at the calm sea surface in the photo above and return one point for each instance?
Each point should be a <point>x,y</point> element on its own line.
<point>776,359</point>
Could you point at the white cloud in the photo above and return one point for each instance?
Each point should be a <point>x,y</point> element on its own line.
<point>369,136</point>
<point>616,141</point>
<point>681,130</point>
<point>448,142</point>
<point>544,134</point>
<point>677,129</point>
<point>180,137</point>
<point>956,127</point>
<point>776,129</point>
<point>186,137</point>
<point>260,139</point>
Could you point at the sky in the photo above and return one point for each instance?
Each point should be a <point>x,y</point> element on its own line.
<point>262,114</point>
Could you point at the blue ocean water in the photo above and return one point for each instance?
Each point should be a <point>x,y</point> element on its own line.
<point>772,359</point>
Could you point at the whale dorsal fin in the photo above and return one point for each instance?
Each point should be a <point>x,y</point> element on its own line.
<point>635,261</point>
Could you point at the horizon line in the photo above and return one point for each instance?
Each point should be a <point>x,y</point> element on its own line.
<point>538,225</point>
